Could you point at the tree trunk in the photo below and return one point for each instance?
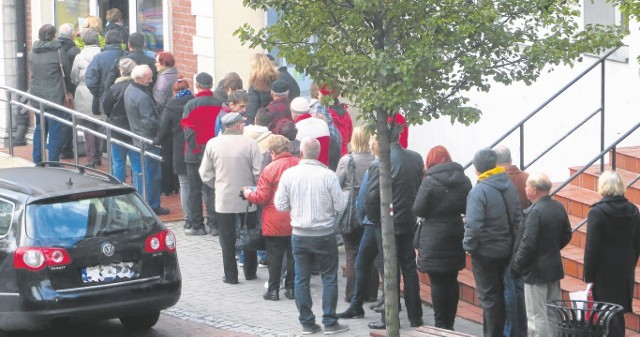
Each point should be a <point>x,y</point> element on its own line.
<point>388,235</point>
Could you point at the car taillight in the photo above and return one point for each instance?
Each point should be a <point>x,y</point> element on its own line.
<point>159,242</point>
<point>36,258</point>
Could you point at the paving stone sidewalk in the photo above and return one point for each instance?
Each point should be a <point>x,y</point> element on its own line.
<point>241,309</point>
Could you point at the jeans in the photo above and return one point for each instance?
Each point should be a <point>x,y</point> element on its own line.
<point>227,232</point>
<point>152,177</point>
<point>277,248</point>
<point>184,198</point>
<point>367,252</point>
<point>322,250</point>
<point>119,161</point>
<point>197,189</point>
<point>489,275</point>
<point>58,133</point>
<point>445,296</point>
<point>351,246</point>
<point>516,310</point>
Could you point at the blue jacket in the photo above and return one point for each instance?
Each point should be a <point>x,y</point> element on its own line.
<point>489,230</point>
<point>97,72</point>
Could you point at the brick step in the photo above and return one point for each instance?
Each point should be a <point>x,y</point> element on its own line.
<point>577,200</point>
<point>579,237</point>
<point>589,180</point>
<point>628,158</point>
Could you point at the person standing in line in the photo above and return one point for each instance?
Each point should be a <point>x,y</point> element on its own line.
<point>198,123</point>
<point>545,231</point>
<point>362,158</point>
<point>48,81</point>
<point>294,87</point>
<point>309,126</point>
<point>311,192</point>
<point>493,212</point>
<point>276,225</point>
<point>612,248</point>
<point>441,201</point>
<point>144,121</point>
<point>514,297</point>
<point>70,51</point>
<point>230,162</point>
<point>262,74</point>
<point>136,53</point>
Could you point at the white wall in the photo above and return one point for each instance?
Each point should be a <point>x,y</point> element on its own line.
<point>504,106</point>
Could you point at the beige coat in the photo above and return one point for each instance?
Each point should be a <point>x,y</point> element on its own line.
<point>231,162</point>
<point>83,99</point>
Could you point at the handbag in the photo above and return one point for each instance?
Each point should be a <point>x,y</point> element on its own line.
<point>68,97</point>
<point>347,222</point>
<point>249,238</point>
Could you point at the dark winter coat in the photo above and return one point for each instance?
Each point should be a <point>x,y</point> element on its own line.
<point>441,201</point>
<point>170,127</point>
<point>493,213</point>
<point>114,107</point>
<point>98,71</point>
<point>141,58</point>
<point>294,88</point>
<point>545,231</point>
<point>46,76</point>
<point>406,176</point>
<point>612,249</point>
<point>141,112</point>
<point>70,51</point>
<point>256,100</point>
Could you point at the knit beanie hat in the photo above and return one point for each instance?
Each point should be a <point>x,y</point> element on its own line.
<point>485,160</point>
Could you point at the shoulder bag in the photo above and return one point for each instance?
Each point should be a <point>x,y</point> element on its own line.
<point>347,222</point>
<point>68,97</point>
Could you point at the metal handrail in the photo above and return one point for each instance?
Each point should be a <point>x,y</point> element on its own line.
<point>520,125</point>
<point>75,116</point>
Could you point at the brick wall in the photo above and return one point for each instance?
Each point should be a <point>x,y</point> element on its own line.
<point>28,23</point>
<point>183,29</point>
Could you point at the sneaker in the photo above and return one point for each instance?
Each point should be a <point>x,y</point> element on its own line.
<point>194,231</point>
<point>262,264</point>
<point>336,328</point>
<point>162,211</point>
<point>307,330</point>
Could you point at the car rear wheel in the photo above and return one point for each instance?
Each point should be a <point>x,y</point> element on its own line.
<point>140,322</point>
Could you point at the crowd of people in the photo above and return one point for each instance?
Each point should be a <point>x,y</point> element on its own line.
<point>295,163</point>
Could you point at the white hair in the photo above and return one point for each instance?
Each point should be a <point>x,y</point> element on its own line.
<point>66,31</point>
<point>139,71</point>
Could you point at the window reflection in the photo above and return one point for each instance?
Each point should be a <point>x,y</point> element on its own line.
<point>150,23</point>
<point>71,11</point>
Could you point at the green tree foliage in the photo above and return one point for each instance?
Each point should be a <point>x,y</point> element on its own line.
<point>422,57</point>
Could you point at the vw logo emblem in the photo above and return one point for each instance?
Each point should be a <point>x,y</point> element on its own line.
<point>108,249</point>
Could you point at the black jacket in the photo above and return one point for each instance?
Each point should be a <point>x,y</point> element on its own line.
<point>257,99</point>
<point>406,176</point>
<point>545,230</point>
<point>612,249</point>
<point>141,58</point>
<point>170,127</point>
<point>97,73</point>
<point>441,201</point>
<point>114,107</point>
<point>69,50</point>
<point>294,88</point>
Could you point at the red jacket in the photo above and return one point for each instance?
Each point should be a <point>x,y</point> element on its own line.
<point>274,222</point>
<point>344,124</point>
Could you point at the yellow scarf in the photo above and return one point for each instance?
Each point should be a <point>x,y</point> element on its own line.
<point>492,172</point>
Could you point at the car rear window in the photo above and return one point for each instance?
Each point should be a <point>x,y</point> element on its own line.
<point>87,217</point>
<point>6,214</point>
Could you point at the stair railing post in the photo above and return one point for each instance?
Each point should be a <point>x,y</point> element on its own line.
<point>613,158</point>
<point>7,97</point>
<point>74,127</point>
<point>109,152</point>
<point>522,146</point>
<point>143,169</point>
<point>602,117</point>
<point>43,134</point>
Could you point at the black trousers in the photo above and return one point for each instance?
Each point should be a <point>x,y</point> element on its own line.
<point>489,275</point>
<point>277,247</point>
<point>227,232</point>
<point>351,247</point>
<point>444,295</point>
<point>196,189</point>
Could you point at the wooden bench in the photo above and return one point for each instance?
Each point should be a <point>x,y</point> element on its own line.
<point>424,331</point>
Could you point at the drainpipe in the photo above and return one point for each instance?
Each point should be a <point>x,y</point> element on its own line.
<point>20,118</point>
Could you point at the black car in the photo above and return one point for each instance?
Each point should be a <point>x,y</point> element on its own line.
<point>75,243</point>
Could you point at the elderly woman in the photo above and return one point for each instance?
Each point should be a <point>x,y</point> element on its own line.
<point>612,248</point>
<point>276,225</point>
<point>441,201</point>
<point>83,98</point>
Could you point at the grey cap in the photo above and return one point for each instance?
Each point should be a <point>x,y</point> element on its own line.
<point>279,86</point>
<point>231,118</point>
<point>204,80</point>
<point>485,160</point>
<point>89,37</point>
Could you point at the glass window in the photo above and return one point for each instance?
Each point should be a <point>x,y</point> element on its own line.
<point>93,217</point>
<point>151,23</point>
<point>71,11</point>
<point>6,214</point>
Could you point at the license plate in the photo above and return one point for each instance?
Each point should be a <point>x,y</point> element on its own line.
<point>109,273</point>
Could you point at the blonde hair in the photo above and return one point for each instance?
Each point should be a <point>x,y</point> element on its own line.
<point>610,184</point>
<point>539,181</point>
<point>373,144</point>
<point>93,22</point>
<point>262,73</point>
<point>278,144</point>
<point>360,140</point>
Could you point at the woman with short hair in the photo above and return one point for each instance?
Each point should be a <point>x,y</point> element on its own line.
<point>612,248</point>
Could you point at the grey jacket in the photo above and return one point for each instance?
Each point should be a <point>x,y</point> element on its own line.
<point>163,89</point>
<point>489,230</point>
<point>46,76</point>
<point>141,112</point>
